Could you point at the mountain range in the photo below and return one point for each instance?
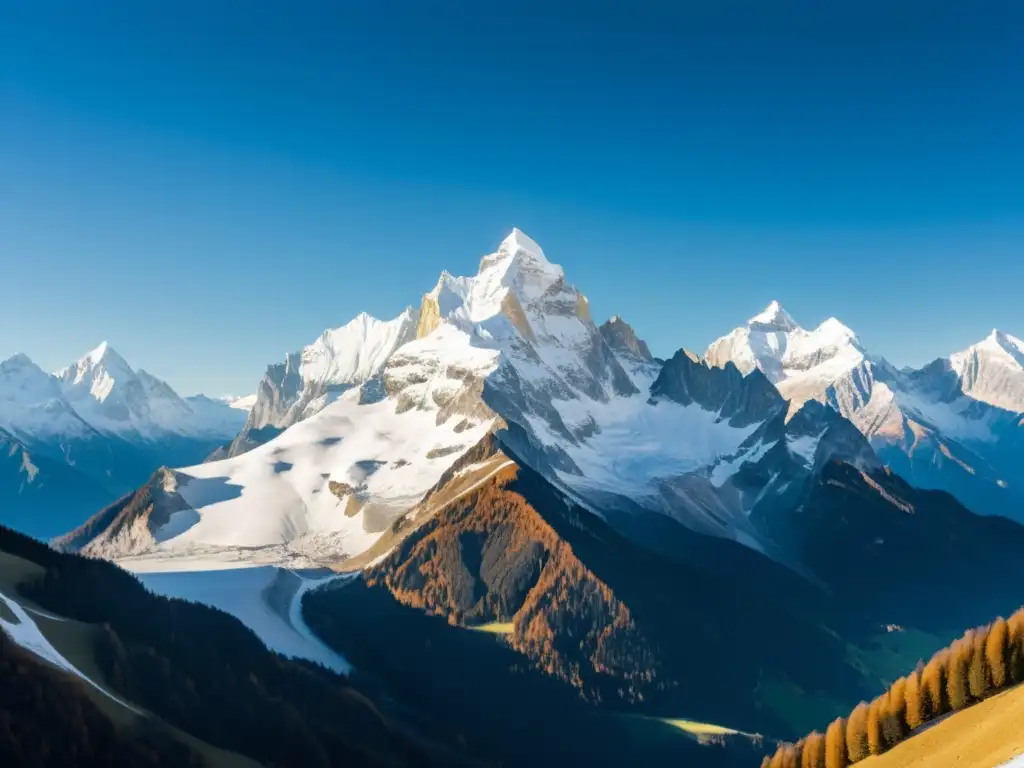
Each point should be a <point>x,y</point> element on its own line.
<point>368,417</point>
<point>79,438</point>
<point>495,457</point>
<point>955,424</point>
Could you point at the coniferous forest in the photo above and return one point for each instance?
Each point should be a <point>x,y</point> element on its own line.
<point>158,654</point>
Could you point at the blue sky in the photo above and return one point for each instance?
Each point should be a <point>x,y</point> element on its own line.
<point>210,187</point>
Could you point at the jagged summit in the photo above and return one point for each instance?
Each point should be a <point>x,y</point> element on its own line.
<point>100,352</point>
<point>620,336</point>
<point>1011,345</point>
<point>518,240</point>
<point>992,371</point>
<point>98,372</point>
<point>518,265</point>
<point>773,317</point>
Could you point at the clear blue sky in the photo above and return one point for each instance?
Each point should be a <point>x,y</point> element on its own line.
<point>208,184</point>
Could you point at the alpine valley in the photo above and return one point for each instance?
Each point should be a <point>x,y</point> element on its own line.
<point>506,525</point>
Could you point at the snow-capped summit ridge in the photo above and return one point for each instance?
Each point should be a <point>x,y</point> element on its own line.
<point>1010,345</point>
<point>96,355</point>
<point>773,317</point>
<point>992,371</point>
<point>520,263</point>
<point>518,240</point>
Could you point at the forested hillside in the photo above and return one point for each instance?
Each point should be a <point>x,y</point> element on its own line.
<point>984,662</point>
<point>201,671</point>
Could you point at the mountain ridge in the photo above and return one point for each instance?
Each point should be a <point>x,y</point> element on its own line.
<point>952,424</point>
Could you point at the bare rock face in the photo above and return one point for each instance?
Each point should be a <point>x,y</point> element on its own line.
<point>740,399</point>
<point>130,524</point>
<point>620,336</point>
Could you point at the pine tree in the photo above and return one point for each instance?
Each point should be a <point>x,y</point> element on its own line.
<point>813,755</point>
<point>766,762</point>
<point>894,722</point>
<point>933,679</point>
<point>876,741</point>
<point>1016,650</point>
<point>957,685</point>
<point>776,761</point>
<point>835,744</point>
<point>857,733</point>
<point>979,679</point>
<point>914,695</point>
<point>996,653</point>
<point>791,755</point>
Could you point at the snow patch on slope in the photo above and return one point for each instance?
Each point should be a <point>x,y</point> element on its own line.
<point>280,493</point>
<point>26,633</point>
<point>639,442</point>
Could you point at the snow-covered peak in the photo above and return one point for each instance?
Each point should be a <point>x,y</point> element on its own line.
<point>96,374</point>
<point>1007,348</point>
<point>520,266</point>
<point>112,397</point>
<point>18,361</point>
<point>992,371</point>
<point>31,402</point>
<point>802,364</point>
<point>21,378</point>
<point>518,240</point>
<point>774,318</point>
<point>357,350</point>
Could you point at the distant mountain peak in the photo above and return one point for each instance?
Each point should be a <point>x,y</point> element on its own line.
<point>18,360</point>
<point>773,317</point>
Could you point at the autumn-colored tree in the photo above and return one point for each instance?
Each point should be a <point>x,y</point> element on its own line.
<point>813,755</point>
<point>786,756</point>
<point>914,696</point>
<point>857,733</point>
<point>876,741</point>
<point>1015,629</point>
<point>933,680</point>
<point>979,680</point>
<point>957,665</point>
<point>835,744</point>
<point>894,713</point>
<point>996,653</point>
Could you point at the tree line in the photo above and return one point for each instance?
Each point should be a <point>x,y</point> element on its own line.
<point>983,662</point>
